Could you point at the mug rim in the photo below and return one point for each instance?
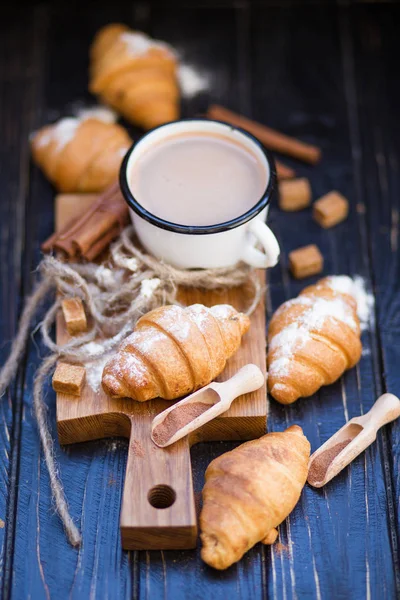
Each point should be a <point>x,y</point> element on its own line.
<point>142,212</point>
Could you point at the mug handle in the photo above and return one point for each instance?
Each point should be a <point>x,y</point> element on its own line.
<point>254,257</point>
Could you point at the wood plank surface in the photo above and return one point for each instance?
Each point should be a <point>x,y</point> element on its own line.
<point>352,503</point>
<point>42,564</point>
<point>379,161</point>
<point>326,73</point>
<point>20,82</point>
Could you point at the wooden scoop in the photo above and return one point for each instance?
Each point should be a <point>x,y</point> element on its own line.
<point>199,408</point>
<point>352,439</point>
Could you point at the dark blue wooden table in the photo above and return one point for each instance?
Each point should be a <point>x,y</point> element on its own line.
<point>324,72</point>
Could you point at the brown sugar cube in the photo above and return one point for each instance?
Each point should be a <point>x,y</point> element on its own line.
<point>68,379</point>
<point>331,209</point>
<point>74,315</point>
<point>294,194</point>
<point>306,261</point>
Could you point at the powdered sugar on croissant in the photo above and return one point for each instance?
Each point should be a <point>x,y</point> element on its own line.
<point>312,340</point>
<point>135,74</point>
<point>82,153</point>
<point>174,351</point>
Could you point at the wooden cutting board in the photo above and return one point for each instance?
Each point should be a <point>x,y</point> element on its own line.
<point>158,510</point>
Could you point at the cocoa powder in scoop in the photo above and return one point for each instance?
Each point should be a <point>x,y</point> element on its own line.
<point>178,418</point>
<point>320,465</point>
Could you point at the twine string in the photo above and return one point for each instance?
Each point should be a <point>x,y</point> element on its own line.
<point>115,297</point>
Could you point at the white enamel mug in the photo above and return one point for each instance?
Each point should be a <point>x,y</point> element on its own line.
<point>213,246</point>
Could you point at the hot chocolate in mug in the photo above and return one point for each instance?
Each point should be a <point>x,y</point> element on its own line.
<point>199,192</point>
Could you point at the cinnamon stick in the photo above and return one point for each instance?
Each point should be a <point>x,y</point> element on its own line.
<point>102,243</point>
<point>92,232</point>
<point>272,139</point>
<point>283,171</point>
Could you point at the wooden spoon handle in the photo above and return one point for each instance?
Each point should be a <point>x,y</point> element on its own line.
<point>248,379</point>
<point>158,511</point>
<point>385,410</point>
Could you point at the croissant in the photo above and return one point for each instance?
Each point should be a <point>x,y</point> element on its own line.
<point>312,340</point>
<point>135,75</point>
<point>250,491</point>
<point>81,154</point>
<point>174,351</point>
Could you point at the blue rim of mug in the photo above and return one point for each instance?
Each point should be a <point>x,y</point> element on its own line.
<point>198,229</point>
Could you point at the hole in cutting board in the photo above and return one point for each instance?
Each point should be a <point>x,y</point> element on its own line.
<point>161,496</point>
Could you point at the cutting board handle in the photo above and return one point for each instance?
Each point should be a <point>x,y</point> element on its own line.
<point>158,510</point>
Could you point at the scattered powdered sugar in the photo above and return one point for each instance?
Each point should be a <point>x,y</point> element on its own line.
<point>222,311</point>
<point>323,309</point>
<point>123,365</point>
<point>152,338</point>
<point>100,113</point>
<point>365,301</point>
<point>320,309</point>
<point>199,315</point>
<point>180,327</point>
<point>131,264</point>
<point>93,349</point>
<point>355,287</point>
<point>192,81</point>
<point>199,309</point>
<point>108,278</point>
<point>61,132</point>
<point>296,335</point>
<point>291,336</point>
<point>64,130</point>
<point>279,387</point>
<point>340,283</point>
<point>280,366</point>
<point>94,372</point>
<point>176,322</point>
<point>138,43</point>
<point>148,287</point>
<point>300,300</point>
<point>136,367</point>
